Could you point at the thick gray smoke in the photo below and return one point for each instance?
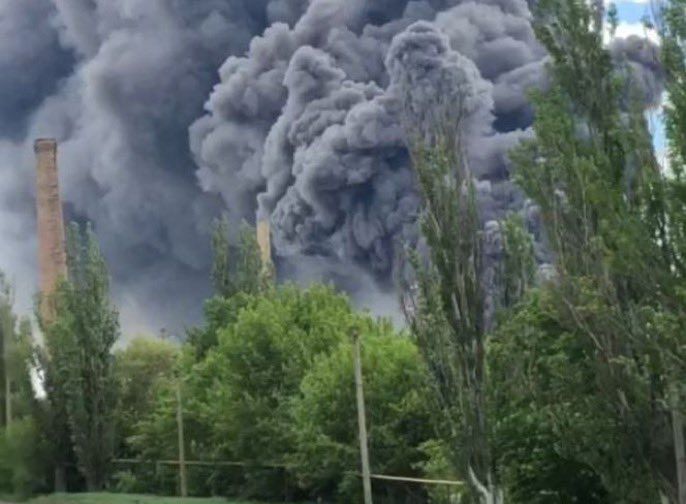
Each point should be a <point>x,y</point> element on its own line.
<point>309,122</point>
<point>302,127</point>
<point>118,83</point>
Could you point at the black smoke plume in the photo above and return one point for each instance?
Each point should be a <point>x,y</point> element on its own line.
<point>169,112</point>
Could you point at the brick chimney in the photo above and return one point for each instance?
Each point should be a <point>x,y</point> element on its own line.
<point>52,256</point>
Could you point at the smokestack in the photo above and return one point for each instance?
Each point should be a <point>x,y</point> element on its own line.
<point>264,242</point>
<point>52,256</point>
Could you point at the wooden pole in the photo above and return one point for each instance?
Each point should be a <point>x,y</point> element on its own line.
<point>679,450</point>
<point>8,399</point>
<point>8,379</point>
<point>361,420</point>
<point>183,482</point>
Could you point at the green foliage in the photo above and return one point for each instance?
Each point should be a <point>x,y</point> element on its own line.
<point>558,438</point>
<point>235,269</point>
<point>107,498</point>
<point>438,465</point>
<point>258,366</point>
<point>237,274</point>
<point>79,343</point>
<point>247,398</point>
<point>448,315</point>
<point>587,395</point>
<point>519,263</point>
<point>612,19</point>
<point>399,419</point>
<point>24,461</point>
<point>140,371</point>
<point>673,31</point>
<point>219,312</point>
<point>16,347</point>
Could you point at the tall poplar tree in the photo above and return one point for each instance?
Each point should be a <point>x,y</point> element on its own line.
<point>235,268</point>
<point>607,210</point>
<point>79,344</point>
<point>672,24</point>
<point>446,306</point>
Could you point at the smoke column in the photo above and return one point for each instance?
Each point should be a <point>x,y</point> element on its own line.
<point>169,112</point>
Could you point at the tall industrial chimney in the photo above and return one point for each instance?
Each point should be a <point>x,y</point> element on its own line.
<point>264,242</point>
<point>52,256</point>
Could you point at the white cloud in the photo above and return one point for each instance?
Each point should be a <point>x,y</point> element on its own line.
<point>625,29</point>
<point>639,2</point>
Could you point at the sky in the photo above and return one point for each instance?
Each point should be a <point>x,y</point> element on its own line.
<point>631,15</point>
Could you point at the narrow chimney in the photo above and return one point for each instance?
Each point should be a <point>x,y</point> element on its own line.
<point>264,242</point>
<point>52,256</point>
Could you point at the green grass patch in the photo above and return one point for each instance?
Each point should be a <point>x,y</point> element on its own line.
<point>107,498</point>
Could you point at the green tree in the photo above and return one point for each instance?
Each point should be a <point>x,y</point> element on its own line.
<point>326,444</point>
<point>239,396</point>
<point>16,345</point>
<point>239,268</point>
<point>24,460</point>
<point>556,442</point>
<point>673,30</point>
<point>22,446</point>
<point>258,366</point>
<point>518,269</point>
<point>80,342</point>
<point>237,275</point>
<point>592,171</point>
<point>140,371</point>
<point>447,316</point>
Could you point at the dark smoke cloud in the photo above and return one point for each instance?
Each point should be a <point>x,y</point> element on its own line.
<point>300,125</point>
<point>309,121</point>
<point>31,62</point>
<point>118,83</point>
<point>645,75</point>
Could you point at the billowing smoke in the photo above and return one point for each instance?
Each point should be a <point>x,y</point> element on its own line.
<point>303,127</point>
<point>118,83</point>
<point>309,123</point>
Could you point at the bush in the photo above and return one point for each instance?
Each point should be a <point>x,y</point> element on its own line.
<point>23,457</point>
<point>553,433</point>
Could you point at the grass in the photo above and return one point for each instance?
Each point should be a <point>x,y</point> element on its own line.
<point>106,498</point>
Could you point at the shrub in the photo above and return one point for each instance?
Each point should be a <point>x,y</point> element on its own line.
<point>23,456</point>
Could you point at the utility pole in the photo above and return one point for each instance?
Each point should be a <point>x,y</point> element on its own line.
<point>362,419</point>
<point>183,482</point>
<point>183,479</point>
<point>7,333</point>
<point>8,384</point>
<point>8,403</point>
<point>679,451</point>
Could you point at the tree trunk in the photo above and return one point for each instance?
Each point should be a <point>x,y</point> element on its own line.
<point>60,478</point>
<point>490,494</point>
<point>92,483</point>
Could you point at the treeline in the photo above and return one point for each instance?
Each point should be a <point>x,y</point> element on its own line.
<point>268,382</point>
<point>572,391</point>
